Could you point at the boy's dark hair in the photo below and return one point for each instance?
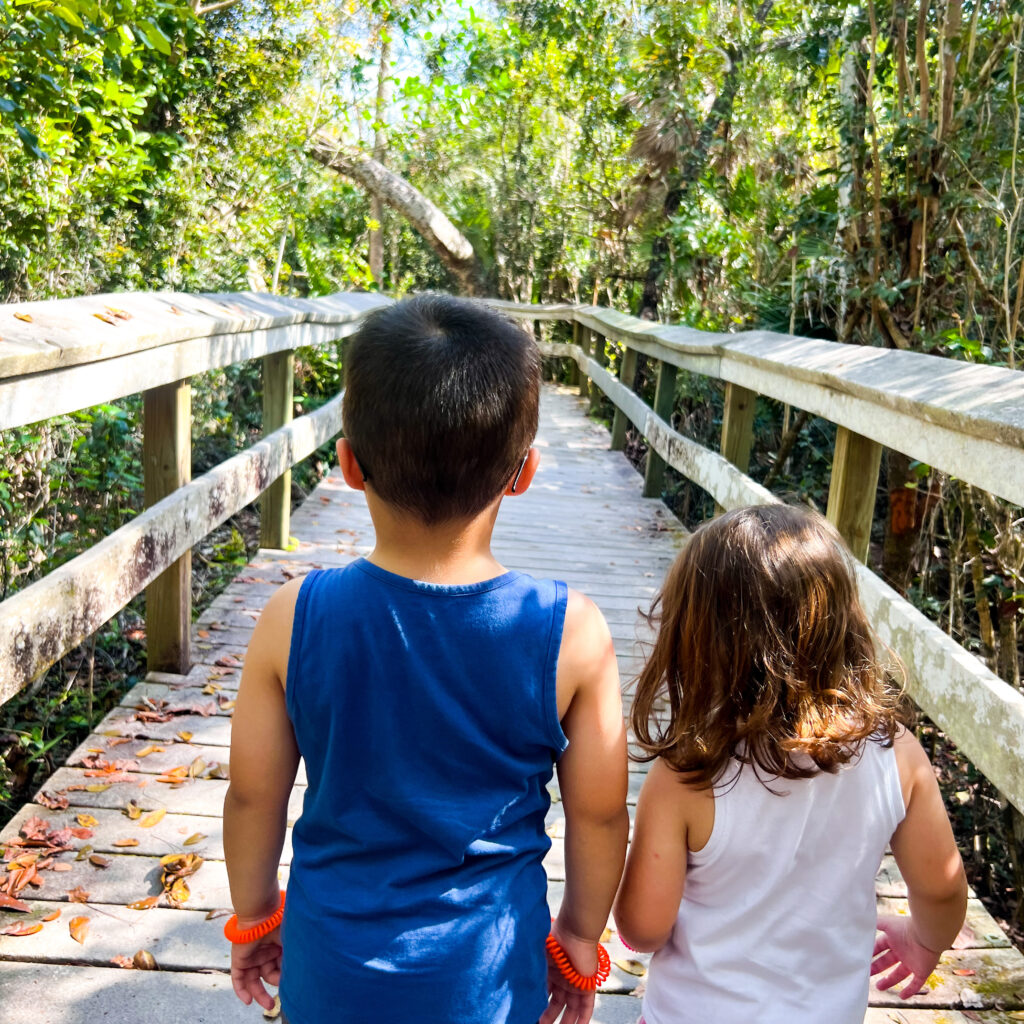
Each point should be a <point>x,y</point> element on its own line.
<point>441,404</point>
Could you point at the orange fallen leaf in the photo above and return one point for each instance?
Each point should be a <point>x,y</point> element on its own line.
<point>153,818</point>
<point>125,842</point>
<point>204,633</point>
<point>27,317</point>
<point>99,862</point>
<point>122,961</point>
<point>147,904</point>
<point>79,928</point>
<point>10,903</point>
<point>964,972</point>
<point>52,916</point>
<point>86,820</point>
<point>22,929</point>
<point>78,895</point>
<point>61,866</point>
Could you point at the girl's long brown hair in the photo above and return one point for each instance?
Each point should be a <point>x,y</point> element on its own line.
<point>763,652</point>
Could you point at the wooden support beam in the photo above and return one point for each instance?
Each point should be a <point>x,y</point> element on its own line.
<point>167,465</point>
<point>627,374</point>
<point>664,402</point>
<point>573,374</point>
<point>581,336</point>
<point>852,488</point>
<point>599,350</point>
<point>278,400</point>
<point>738,427</point>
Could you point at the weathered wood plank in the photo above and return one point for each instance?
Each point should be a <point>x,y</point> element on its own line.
<point>852,488</point>
<point>275,505</point>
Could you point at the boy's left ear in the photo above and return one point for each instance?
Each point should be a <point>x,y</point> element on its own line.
<point>522,481</point>
<point>349,466</point>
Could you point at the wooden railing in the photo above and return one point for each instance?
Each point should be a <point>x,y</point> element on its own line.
<point>966,420</point>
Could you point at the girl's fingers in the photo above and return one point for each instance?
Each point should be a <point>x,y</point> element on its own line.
<point>884,962</point>
<point>881,944</point>
<point>898,973</point>
<point>913,986</point>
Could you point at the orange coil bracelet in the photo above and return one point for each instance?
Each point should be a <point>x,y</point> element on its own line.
<point>584,983</point>
<point>235,934</point>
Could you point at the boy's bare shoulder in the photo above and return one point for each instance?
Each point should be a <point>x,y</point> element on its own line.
<point>271,639</point>
<point>587,655</point>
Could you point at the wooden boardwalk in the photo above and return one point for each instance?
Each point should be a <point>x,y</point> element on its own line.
<point>149,783</point>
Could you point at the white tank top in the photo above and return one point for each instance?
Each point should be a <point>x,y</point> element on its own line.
<point>777,921</point>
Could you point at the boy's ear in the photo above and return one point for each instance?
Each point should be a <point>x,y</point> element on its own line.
<point>349,466</point>
<point>522,481</point>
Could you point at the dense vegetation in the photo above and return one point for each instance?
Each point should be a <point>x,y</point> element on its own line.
<point>849,171</point>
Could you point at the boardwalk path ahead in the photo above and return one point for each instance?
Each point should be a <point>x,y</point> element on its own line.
<point>583,521</point>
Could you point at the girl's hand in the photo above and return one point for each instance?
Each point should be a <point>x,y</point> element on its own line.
<point>253,963</point>
<point>897,947</point>
<point>575,1006</point>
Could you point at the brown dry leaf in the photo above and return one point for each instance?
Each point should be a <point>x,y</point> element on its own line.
<point>204,633</point>
<point>633,967</point>
<point>196,768</point>
<point>179,892</point>
<point>211,688</point>
<point>78,895</point>
<point>10,903</point>
<point>52,916</point>
<point>147,750</point>
<point>99,862</point>
<point>116,741</point>
<point>153,818</point>
<point>228,661</point>
<point>27,317</point>
<point>122,961</point>
<point>121,314</point>
<point>97,787</point>
<point>125,842</point>
<point>133,810</point>
<point>147,904</point>
<point>196,837</point>
<point>86,820</point>
<point>61,866</point>
<point>226,705</point>
<point>28,928</point>
<point>105,318</point>
<point>55,802</point>
<point>79,928</point>
<point>144,960</point>
<point>184,736</point>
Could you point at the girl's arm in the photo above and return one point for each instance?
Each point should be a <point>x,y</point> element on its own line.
<point>652,887</point>
<point>592,777</point>
<point>264,759</point>
<point>929,861</point>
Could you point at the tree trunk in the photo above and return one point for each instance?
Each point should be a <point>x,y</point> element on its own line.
<point>376,253</point>
<point>452,247</point>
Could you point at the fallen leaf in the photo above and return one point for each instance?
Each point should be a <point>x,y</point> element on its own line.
<point>275,1011</point>
<point>605,935</point>
<point>153,818</point>
<point>86,820</point>
<point>27,317</point>
<point>100,862</point>
<point>122,961</point>
<point>97,787</point>
<point>212,688</point>
<point>79,928</point>
<point>147,750</point>
<point>228,661</point>
<point>121,314</point>
<point>147,904</point>
<point>82,833</point>
<point>105,318</point>
<point>144,960</point>
<point>212,915</point>
<point>633,967</point>
<point>116,741</point>
<point>179,892</point>
<point>61,866</point>
<point>226,705</point>
<point>125,842</point>
<point>10,903</point>
<point>78,895</point>
<point>22,929</point>
<point>133,810</point>
<point>964,972</point>
<point>196,768</point>
<point>196,837</point>
<point>204,633</point>
<point>83,853</point>
<point>184,736</point>
<point>56,802</point>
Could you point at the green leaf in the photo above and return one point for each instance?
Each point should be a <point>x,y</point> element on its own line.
<point>30,141</point>
<point>154,35</point>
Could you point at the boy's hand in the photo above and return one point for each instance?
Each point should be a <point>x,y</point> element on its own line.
<point>897,947</point>
<point>576,1007</point>
<point>253,963</point>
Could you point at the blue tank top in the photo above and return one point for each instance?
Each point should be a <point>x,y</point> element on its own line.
<point>427,719</point>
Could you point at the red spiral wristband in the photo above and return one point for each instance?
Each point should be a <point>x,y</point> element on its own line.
<point>585,983</point>
<point>235,934</point>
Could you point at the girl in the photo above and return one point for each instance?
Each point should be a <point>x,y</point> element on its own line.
<point>781,772</point>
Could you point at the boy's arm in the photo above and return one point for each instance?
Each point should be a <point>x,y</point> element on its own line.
<point>929,861</point>
<point>592,777</point>
<point>264,759</point>
<point>647,904</point>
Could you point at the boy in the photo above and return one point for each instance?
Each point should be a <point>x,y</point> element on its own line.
<point>429,691</point>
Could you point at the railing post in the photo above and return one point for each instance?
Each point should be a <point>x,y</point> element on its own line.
<point>167,465</point>
<point>573,374</point>
<point>599,350</point>
<point>275,505</point>
<point>664,401</point>
<point>581,336</point>
<point>627,374</point>
<point>852,487</point>
<point>738,427</point>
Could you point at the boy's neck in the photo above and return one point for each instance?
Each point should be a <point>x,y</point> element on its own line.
<point>449,553</point>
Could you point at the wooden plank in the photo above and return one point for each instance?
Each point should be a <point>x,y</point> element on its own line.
<point>275,505</point>
<point>44,621</point>
<point>664,401</point>
<point>852,488</point>
<point>599,349</point>
<point>581,338</point>
<point>167,465</point>
<point>738,425</point>
<point>627,374</point>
